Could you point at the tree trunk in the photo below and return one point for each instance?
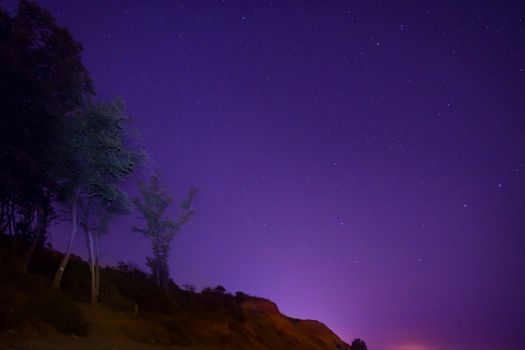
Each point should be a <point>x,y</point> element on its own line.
<point>60,271</point>
<point>2,215</point>
<point>97,267</point>
<point>17,239</point>
<point>11,217</point>
<point>92,267</point>
<point>40,225</point>
<point>163,269</point>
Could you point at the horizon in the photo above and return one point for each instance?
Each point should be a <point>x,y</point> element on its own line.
<point>358,163</point>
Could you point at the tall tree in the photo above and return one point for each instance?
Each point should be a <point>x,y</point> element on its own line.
<point>96,214</point>
<point>160,228</point>
<point>95,157</point>
<point>44,215</point>
<point>42,79</point>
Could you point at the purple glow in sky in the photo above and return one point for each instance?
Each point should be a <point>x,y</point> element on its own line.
<point>359,162</point>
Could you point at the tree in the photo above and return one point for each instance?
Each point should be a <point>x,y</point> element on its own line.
<point>160,229</point>
<point>358,344</point>
<point>94,159</point>
<point>42,79</point>
<point>44,215</point>
<point>95,218</point>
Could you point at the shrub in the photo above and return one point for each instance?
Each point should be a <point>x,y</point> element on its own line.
<point>24,296</point>
<point>54,307</point>
<point>189,288</point>
<point>358,344</point>
<point>219,289</point>
<point>241,297</point>
<point>123,288</point>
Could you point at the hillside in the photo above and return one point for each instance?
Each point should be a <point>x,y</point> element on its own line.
<point>112,329</point>
<point>134,314</point>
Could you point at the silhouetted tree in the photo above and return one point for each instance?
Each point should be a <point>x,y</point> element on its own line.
<point>102,198</point>
<point>44,215</point>
<point>42,79</point>
<point>160,229</point>
<point>358,344</point>
<point>94,219</point>
<point>94,159</point>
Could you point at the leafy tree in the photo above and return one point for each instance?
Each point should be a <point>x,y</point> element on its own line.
<point>160,229</point>
<point>95,218</point>
<point>42,79</point>
<point>44,215</point>
<point>94,158</point>
<point>104,201</point>
<point>358,344</point>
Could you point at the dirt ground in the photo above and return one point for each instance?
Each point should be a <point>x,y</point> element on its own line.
<point>108,332</point>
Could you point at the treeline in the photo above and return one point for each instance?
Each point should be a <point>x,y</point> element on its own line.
<point>63,153</point>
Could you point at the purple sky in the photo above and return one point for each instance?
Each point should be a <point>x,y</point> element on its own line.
<point>360,163</point>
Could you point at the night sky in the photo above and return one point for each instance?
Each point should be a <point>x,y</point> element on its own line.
<point>359,163</point>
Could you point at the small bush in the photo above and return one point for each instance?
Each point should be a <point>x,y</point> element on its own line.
<point>241,297</point>
<point>122,290</point>
<point>219,289</point>
<point>358,344</point>
<point>54,307</point>
<point>76,280</point>
<point>26,296</point>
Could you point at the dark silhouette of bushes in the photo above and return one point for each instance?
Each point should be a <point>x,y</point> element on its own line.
<point>358,344</point>
<point>31,297</point>
<point>219,289</point>
<point>54,307</point>
<point>76,279</point>
<point>241,296</point>
<point>127,286</point>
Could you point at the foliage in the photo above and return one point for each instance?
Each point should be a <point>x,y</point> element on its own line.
<point>189,288</point>
<point>127,285</point>
<point>212,318</point>
<point>93,152</point>
<point>106,158</point>
<point>31,297</point>
<point>358,344</point>
<point>160,229</point>
<point>95,157</point>
<point>52,306</point>
<point>55,142</point>
<point>216,290</point>
<point>133,271</point>
<point>42,80</point>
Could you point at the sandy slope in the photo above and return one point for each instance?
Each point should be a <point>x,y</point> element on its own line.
<point>108,332</point>
<point>263,328</point>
